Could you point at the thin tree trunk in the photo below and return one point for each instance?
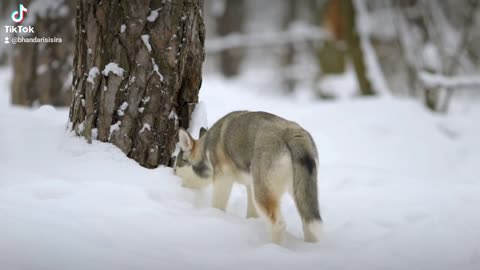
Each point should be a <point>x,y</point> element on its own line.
<point>231,22</point>
<point>332,54</point>
<point>355,49</point>
<point>137,74</point>
<point>42,71</point>
<point>288,55</point>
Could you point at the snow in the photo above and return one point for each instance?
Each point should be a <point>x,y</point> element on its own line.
<point>396,189</point>
<point>299,31</point>
<point>81,127</point>
<point>114,68</point>
<point>199,119</point>
<point>431,57</point>
<point>329,84</point>
<point>145,100</point>
<point>114,127</point>
<point>461,81</point>
<point>156,69</point>
<point>92,74</point>
<point>153,15</point>
<point>42,69</point>
<point>121,110</point>
<point>124,106</point>
<point>145,127</point>
<point>173,115</point>
<point>94,133</point>
<point>146,41</point>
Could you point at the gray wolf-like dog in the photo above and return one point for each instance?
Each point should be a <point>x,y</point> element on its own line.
<point>266,153</point>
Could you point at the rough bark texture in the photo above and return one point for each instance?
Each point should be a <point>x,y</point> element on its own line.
<point>42,71</point>
<point>231,22</point>
<point>355,49</point>
<point>140,105</point>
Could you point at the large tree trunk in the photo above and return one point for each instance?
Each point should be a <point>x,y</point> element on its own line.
<point>42,71</point>
<point>137,73</point>
<point>231,22</point>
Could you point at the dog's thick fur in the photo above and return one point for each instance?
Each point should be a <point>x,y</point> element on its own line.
<point>266,153</point>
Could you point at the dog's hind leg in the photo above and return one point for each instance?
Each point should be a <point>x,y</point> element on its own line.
<point>268,205</point>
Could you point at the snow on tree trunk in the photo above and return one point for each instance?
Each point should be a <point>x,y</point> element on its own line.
<point>137,74</point>
<point>42,71</point>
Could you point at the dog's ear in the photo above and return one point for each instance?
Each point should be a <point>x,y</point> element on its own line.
<point>185,140</point>
<point>202,132</point>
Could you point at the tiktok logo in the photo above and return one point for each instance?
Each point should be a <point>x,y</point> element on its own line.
<point>19,15</point>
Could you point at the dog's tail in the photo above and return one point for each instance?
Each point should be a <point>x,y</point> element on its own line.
<point>304,157</point>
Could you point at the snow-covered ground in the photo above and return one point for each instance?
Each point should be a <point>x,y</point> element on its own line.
<point>399,189</point>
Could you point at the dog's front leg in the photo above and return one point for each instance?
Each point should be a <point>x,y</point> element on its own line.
<point>251,210</point>
<point>222,188</point>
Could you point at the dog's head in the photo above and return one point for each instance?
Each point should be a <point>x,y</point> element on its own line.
<point>191,163</point>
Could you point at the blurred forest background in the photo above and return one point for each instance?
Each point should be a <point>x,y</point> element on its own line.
<point>424,49</point>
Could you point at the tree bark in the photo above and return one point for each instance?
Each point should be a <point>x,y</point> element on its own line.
<point>42,71</point>
<point>137,74</point>
<point>288,53</point>
<point>355,49</point>
<point>231,22</point>
<point>332,54</point>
